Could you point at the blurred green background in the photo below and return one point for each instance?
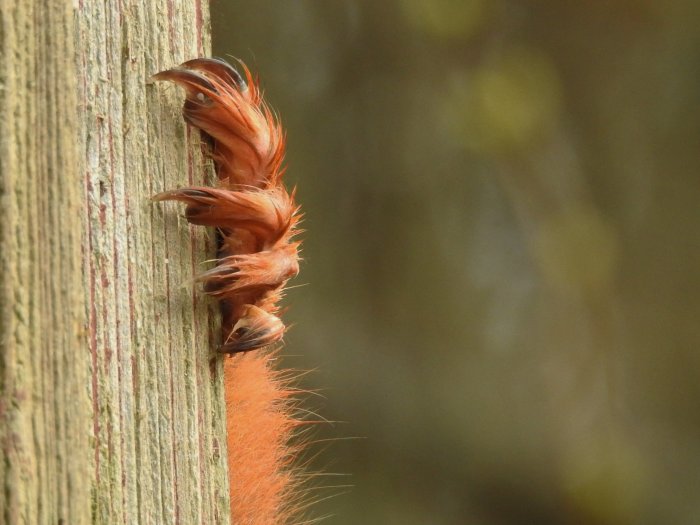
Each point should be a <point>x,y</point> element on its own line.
<point>502,252</point>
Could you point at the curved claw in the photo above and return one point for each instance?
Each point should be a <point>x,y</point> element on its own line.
<point>192,81</point>
<point>181,194</point>
<point>257,272</point>
<point>219,68</point>
<point>260,212</point>
<point>254,330</point>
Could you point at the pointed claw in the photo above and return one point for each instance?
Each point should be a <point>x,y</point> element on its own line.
<point>192,81</point>
<point>254,330</point>
<point>219,68</point>
<point>262,213</point>
<point>187,195</point>
<point>219,279</point>
<point>182,194</point>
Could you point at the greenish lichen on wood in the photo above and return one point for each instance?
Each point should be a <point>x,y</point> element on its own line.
<point>111,405</point>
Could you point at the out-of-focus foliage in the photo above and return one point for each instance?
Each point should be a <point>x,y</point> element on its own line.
<point>502,251</point>
<point>445,18</point>
<point>508,104</point>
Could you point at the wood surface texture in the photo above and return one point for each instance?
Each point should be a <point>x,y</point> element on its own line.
<point>111,402</point>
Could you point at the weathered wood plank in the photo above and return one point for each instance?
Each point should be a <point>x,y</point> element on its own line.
<point>158,403</point>
<point>112,406</point>
<point>44,404</point>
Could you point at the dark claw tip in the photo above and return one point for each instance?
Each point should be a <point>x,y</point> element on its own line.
<point>245,340</point>
<point>190,80</point>
<point>220,68</point>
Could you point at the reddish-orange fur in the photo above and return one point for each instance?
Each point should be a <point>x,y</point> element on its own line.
<point>260,421</point>
<point>252,209</point>
<point>257,220</point>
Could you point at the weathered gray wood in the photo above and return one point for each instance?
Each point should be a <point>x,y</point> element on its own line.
<point>111,407</point>
<point>44,405</point>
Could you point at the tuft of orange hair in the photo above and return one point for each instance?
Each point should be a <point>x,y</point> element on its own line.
<point>261,420</point>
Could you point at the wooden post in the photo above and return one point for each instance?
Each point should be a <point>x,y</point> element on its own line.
<point>111,404</point>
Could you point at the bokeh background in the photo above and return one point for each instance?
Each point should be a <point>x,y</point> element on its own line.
<point>502,255</point>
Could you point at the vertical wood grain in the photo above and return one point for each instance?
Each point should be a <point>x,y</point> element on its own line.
<point>111,404</point>
<point>44,400</point>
